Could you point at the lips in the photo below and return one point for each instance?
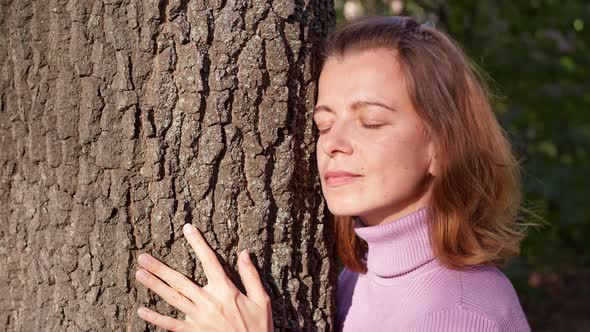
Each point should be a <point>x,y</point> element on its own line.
<point>340,177</point>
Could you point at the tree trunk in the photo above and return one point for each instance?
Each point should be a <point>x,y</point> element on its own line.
<point>120,121</point>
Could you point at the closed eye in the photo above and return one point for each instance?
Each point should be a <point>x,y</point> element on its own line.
<point>369,126</point>
<point>372,126</point>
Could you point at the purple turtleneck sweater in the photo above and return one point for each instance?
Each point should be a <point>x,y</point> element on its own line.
<point>407,289</point>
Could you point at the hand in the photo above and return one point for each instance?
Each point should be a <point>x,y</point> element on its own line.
<point>218,306</point>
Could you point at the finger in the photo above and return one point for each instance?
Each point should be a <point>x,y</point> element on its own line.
<point>165,322</point>
<point>251,280</point>
<point>213,270</point>
<point>169,294</point>
<point>172,277</point>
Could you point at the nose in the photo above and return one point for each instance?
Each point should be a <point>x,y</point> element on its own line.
<point>336,140</point>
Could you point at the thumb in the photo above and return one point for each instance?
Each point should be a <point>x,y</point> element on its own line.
<point>251,280</point>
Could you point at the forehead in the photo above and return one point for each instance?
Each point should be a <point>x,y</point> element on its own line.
<point>370,73</point>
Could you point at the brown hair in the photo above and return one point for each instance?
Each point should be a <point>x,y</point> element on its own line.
<point>476,195</point>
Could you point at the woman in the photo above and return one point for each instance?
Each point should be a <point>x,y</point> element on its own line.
<point>423,185</point>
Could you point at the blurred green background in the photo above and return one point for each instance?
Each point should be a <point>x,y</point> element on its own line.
<point>536,53</point>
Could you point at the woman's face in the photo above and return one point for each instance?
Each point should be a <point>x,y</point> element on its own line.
<point>369,127</point>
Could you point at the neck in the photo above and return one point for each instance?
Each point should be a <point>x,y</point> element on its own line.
<point>397,246</point>
<point>417,201</point>
<point>375,218</point>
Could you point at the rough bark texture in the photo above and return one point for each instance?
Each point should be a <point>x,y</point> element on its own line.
<point>122,120</point>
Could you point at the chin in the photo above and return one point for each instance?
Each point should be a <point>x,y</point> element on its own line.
<point>344,208</point>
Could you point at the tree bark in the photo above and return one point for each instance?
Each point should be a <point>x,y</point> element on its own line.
<point>120,121</point>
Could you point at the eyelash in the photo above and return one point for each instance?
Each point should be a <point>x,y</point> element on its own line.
<point>372,126</point>
<point>364,125</point>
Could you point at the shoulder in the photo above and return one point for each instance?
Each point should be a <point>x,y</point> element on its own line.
<point>484,282</point>
<point>346,282</point>
<point>486,289</point>
<point>456,319</point>
<point>479,298</point>
<point>347,279</point>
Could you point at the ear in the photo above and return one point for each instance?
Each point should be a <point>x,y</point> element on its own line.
<point>432,163</point>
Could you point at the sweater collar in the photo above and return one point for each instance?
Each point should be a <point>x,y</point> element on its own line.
<point>397,247</point>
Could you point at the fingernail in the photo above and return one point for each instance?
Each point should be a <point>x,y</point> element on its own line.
<point>190,229</point>
<point>140,274</point>
<point>141,311</point>
<point>245,256</point>
<point>143,259</point>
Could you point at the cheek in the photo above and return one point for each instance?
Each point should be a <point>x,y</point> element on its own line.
<point>321,160</point>
<point>398,157</point>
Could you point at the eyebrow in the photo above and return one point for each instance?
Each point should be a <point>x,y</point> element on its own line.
<point>354,106</point>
